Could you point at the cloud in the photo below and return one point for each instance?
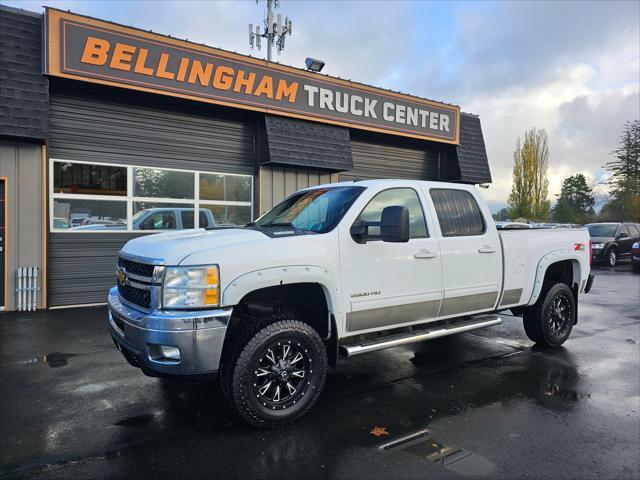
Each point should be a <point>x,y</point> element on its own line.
<point>570,67</point>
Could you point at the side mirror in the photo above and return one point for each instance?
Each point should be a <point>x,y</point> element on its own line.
<point>359,232</point>
<point>623,235</point>
<point>394,224</point>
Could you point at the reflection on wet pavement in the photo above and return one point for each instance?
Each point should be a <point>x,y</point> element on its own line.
<point>494,405</point>
<point>53,360</point>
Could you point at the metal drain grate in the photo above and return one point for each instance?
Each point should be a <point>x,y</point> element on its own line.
<point>423,445</point>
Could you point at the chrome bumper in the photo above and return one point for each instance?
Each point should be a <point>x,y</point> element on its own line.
<point>198,335</point>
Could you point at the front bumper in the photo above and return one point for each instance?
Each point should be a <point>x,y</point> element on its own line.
<point>198,335</point>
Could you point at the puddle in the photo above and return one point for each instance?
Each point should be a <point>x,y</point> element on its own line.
<point>137,421</point>
<point>458,460</point>
<point>53,360</point>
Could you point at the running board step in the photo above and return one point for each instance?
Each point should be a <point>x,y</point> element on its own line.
<point>414,337</point>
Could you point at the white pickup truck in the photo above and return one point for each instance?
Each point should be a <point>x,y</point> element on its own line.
<point>345,268</point>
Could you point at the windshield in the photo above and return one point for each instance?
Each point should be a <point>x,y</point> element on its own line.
<point>317,210</point>
<point>602,230</point>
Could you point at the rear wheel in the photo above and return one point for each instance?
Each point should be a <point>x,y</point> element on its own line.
<point>612,257</point>
<point>549,322</point>
<point>277,374</point>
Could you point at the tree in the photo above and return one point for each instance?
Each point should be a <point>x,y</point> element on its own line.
<point>530,187</point>
<point>563,213</point>
<point>612,211</point>
<point>501,215</point>
<point>577,196</point>
<point>624,182</point>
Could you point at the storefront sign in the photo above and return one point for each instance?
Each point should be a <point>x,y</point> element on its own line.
<point>101,52</point>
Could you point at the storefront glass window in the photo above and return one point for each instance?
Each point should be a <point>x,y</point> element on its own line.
<point>159,183</point>
<point>88,179</point>
<point>228,214</point>
<point>235,188</point>
<point>86,215</point>
<point>159,216</point>
<point>144,199</point>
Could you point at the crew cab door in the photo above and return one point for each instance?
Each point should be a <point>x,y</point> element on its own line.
<point>470,249</point>
<point>387,284</point>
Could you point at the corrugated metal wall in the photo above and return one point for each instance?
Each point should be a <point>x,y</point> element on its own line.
<point>393,157</point>
<point>22,164</point>
<point>132,129</point>
<point>277,183</point>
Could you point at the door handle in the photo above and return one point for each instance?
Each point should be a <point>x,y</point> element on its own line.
<point>486,249</point>
<point>425,254</point>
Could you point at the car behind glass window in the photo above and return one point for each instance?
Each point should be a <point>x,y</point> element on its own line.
<point>458,213</point>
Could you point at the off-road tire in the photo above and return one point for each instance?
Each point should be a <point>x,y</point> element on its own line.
<point>539,320</point>
<point>612,258</point>
<point>238,336</point>
<point>244,357</point>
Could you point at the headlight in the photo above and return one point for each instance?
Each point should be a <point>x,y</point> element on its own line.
<point>191,287</point>
<point>597,245</point>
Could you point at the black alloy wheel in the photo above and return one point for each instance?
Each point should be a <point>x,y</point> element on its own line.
<point>559,315</point>
<point>550,320</point>
<point>282,374</point>
<point>275,374</point>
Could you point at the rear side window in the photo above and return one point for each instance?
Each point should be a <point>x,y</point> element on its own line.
<point>458,213</point>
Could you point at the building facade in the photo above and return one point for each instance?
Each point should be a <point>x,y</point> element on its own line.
<point>109,133</point>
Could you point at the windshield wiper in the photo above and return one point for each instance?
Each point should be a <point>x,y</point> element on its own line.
<point>280,224</point>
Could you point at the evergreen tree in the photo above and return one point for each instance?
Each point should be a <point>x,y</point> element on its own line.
<point>563,212</point>
<point>578,197</point>
<point>624,182</point>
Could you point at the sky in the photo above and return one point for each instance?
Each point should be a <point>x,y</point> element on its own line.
<point>572,68</point>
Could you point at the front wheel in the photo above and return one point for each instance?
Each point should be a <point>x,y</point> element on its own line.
<point>612,258</point>
<point>549,322</point>
<point>278,374</point>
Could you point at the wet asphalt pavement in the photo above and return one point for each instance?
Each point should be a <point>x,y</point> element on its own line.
<point>482,404</point>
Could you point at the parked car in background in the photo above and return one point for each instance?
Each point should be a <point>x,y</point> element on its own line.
<point>612,241</point>
<point>635,257</point>
<point>60,222</point>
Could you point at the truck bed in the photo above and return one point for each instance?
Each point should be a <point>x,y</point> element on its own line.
<point>522,261</point>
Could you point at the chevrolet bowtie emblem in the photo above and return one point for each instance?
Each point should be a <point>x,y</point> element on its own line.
<point>122,276</point>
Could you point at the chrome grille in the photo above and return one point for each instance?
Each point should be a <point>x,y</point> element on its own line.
<point>136,282</point>
<point>134,295</point>
<point>141,269</point>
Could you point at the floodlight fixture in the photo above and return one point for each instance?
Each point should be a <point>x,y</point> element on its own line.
<point>314,65</point>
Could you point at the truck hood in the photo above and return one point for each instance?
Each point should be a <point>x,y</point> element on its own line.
<point>174,247</point>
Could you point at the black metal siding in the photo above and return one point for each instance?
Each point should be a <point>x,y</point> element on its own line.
<point>375,156</point>
<point>102,125</point>
<point>126,129</point>
<point>82,266</point>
